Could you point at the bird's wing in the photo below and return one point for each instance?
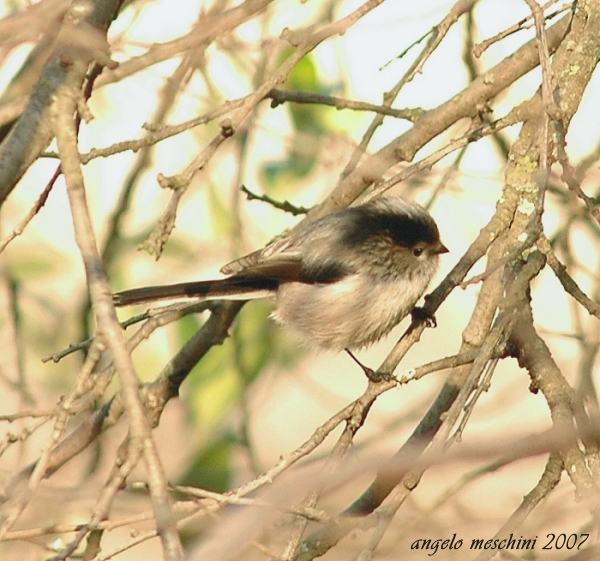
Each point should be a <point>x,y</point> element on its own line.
<point>314,254</point>
<point>270,252</point>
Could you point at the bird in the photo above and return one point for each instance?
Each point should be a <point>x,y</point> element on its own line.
<point>342,282</point>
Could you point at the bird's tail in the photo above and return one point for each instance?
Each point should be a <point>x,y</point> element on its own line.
<point>232,288</point>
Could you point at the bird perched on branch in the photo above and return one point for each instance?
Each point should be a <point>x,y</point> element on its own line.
<point>341,282</point>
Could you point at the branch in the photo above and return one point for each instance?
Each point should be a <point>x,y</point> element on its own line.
<point>79,38</point>
<point>438,120</point>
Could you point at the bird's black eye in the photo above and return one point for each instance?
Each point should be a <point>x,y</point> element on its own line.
<point>417,251</point>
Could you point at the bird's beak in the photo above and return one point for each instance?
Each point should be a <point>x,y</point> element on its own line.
<point>440,248</point>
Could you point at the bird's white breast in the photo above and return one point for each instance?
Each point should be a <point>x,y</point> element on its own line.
<point>352,313</point>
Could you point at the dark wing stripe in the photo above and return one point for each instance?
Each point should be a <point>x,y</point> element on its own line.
<point>325,272</point>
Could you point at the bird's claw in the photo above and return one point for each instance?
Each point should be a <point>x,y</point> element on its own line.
<point>421,315</point>
<point>374,376</point>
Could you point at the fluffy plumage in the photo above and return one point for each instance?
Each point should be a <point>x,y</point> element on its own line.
<point>342,282</point>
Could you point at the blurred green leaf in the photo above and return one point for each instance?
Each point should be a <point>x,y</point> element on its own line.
<point>33,263</point>
<point>303,76</point>
<point>211,467</point>
<point>309,121</point>
<point>217,383</point>
<point>254,337</point>
<point>186,327</point>
<point>219,212</point>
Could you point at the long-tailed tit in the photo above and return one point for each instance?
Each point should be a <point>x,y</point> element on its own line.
<point>342,282</point>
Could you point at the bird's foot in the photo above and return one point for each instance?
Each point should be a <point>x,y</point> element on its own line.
<point>420,315</point>
<point>373,375</point>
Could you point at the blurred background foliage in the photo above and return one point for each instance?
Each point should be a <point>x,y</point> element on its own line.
<point>257,395</point>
